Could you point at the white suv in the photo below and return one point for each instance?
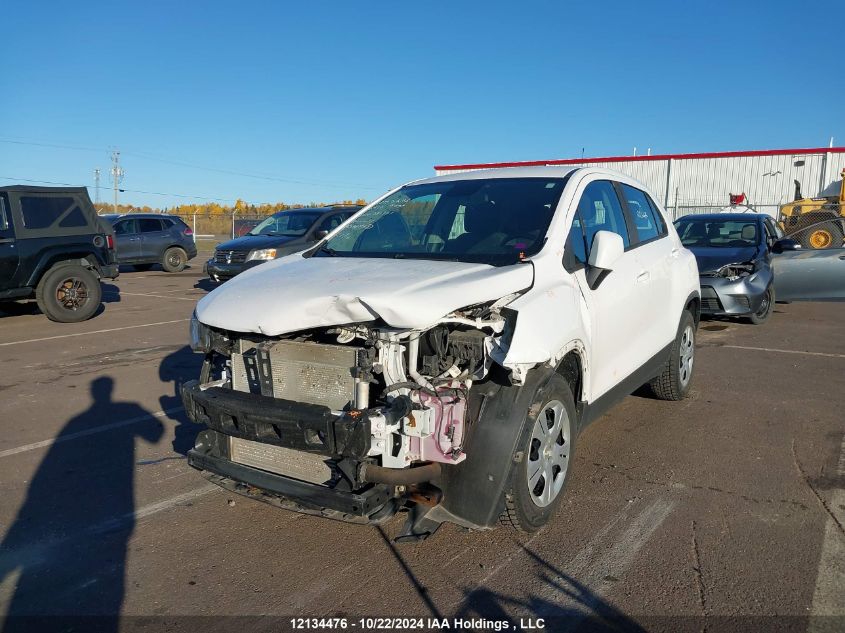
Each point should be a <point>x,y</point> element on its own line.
<point>440,351</point>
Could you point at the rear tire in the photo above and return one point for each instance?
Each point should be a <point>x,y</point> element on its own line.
<point>674,381</point>
<point>766,308</point>
<point>69,293</point>
<point>174,260</point>
<point>546,443</point>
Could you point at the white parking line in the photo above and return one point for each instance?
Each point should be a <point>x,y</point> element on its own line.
<point>144,294</point>
<point>114,329</point>
<point>590,565</point>
<point>596,572</point>
<point>97,429</point>
<point>829,595</point>
<point>783,351</point>
<point>26,555</point>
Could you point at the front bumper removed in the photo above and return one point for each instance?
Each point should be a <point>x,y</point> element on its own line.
<point>366,506</point>
<point>313,429</point>
<point>304,427</point>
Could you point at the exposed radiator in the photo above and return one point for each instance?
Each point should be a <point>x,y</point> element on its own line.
<point>302,372</point>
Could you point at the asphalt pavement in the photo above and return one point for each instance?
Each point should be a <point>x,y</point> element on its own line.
<point>722,512</point>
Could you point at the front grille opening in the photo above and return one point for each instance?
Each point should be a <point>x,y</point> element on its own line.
<point>230,257</point>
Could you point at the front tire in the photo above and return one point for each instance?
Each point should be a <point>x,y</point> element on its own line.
<point>69,293</point>
<point>546,444</point>
<point>674,380</point>
<point>174,260</point>
<point>766,308</point>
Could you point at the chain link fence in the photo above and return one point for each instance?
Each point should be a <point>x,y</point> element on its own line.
<point>219,226</point>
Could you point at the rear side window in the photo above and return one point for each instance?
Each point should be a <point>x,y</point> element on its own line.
<point>149,225</point>
<point>125,227</point>
<point>646,219</point>
<point>41,212</point>
<point>74,218</point>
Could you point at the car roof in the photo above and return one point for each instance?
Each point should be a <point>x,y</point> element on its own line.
<point>724,216</point>
<point>502,172</point>
<point>335,208</point>
<point>35,189</point>
<point>146,215</point>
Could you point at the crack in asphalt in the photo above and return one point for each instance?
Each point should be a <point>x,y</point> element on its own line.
<point>699,576</point>
<point>815,492</point>
<point>683,486</point>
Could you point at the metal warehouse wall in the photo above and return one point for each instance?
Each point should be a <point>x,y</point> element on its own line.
<point>705,180</point>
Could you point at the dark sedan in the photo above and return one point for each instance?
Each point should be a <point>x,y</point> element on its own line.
<point>281,234</point>
<point>734,253</point>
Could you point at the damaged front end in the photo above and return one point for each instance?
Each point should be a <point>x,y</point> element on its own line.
<point>734,289</point>
<point>351,422</point>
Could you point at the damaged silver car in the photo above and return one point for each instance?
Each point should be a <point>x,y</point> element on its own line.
<point>440,352</point>
<point>734,252</point>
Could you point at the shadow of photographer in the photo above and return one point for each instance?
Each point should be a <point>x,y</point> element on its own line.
<point>67,545</point>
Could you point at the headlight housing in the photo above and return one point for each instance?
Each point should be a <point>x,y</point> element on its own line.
<point>200,335</point>
<point>261,254</point>
<point>732,272</point>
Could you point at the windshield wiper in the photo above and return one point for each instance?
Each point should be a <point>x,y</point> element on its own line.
<point>328,251</point>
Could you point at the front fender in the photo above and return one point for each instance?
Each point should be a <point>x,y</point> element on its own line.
<point>473,491</point>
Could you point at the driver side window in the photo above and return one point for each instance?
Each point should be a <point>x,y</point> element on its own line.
<point>598,210</point>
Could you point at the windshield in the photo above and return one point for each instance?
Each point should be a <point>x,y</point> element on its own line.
<point>717,233</point>
<point>495,221</point>
<point>287,223</point>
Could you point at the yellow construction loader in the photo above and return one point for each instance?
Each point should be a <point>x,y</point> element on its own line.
<point>816,222</point>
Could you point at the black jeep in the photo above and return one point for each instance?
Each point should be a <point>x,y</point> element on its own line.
<point>55,247</point>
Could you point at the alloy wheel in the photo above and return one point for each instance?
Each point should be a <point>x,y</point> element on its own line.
<point>72,293</point>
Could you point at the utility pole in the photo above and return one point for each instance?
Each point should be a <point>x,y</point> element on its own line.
<point>117,174</point>
<point>97,186</point>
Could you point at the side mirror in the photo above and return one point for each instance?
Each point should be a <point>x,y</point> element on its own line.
<point>321,234</point>
<point>784,245</point>
<point>607,248</point>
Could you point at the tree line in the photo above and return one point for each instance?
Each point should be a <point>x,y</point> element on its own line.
<point>211,209</point>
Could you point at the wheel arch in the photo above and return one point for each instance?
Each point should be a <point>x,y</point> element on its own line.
<point>693,306</point>
<point>571,368</point>
<point>52,258</point>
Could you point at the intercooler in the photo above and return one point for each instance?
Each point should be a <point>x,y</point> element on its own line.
<point>300,371</point>
<point>280,460</point>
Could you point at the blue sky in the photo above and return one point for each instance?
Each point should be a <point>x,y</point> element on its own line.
<point>329,100</point>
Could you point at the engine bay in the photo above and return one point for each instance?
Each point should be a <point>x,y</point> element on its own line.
<point>412,385</point>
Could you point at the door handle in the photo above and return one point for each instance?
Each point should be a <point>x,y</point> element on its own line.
<point>643,277</point>
<point>842,257</point>
<point>675,252</point>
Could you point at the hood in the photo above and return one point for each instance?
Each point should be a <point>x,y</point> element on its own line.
<point>251,242</point>
<point>296,293</point>
<point>710,259</point>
